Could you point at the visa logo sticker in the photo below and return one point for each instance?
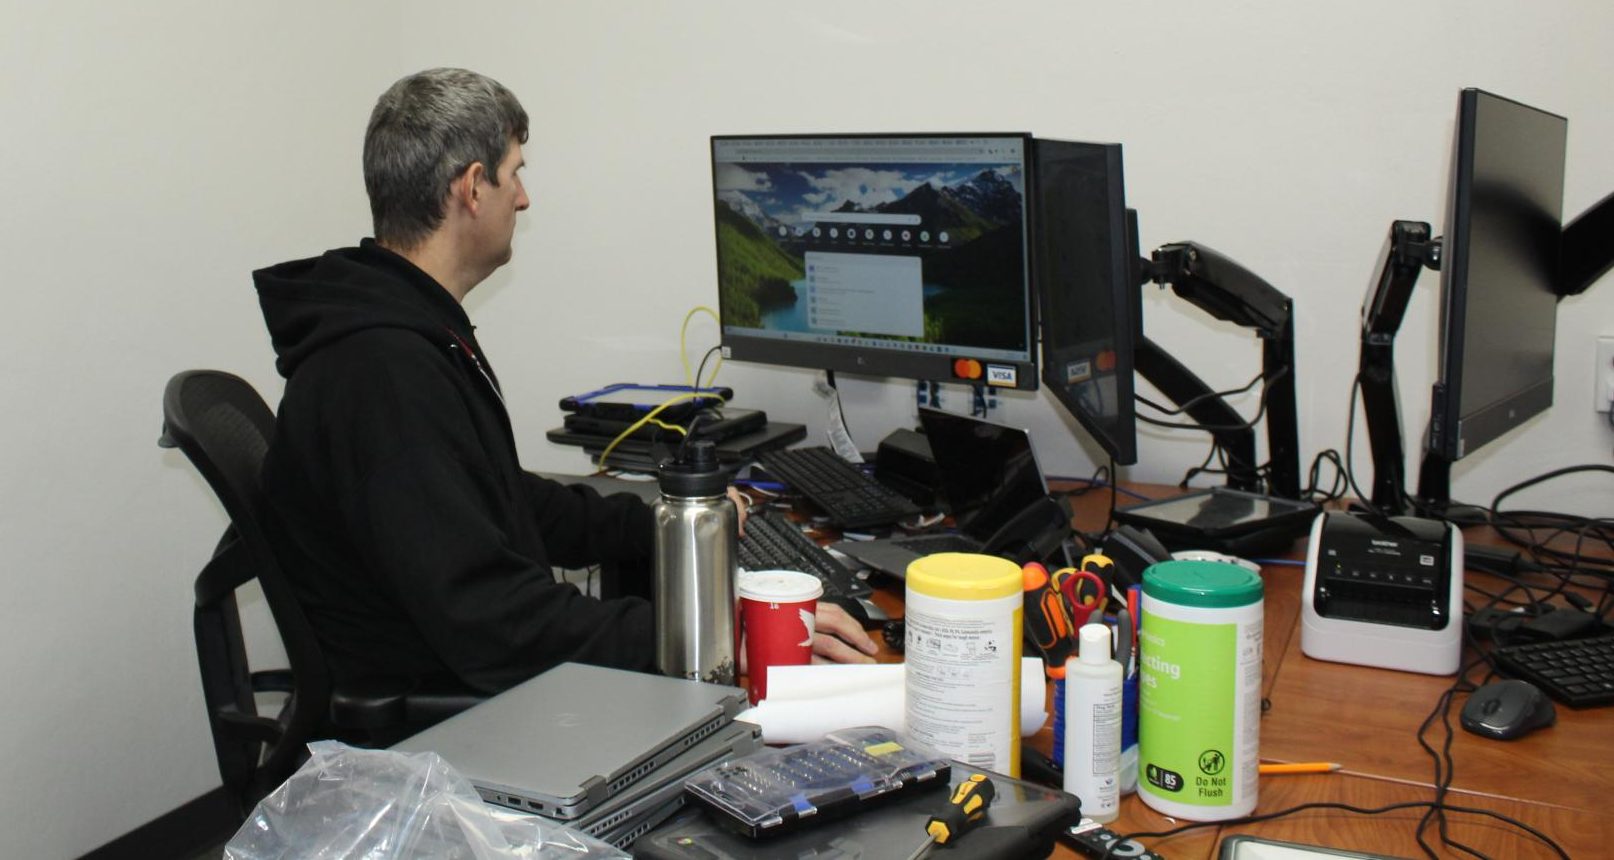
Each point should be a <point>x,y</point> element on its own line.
<point>1078,371</point>
<point>998,374</point>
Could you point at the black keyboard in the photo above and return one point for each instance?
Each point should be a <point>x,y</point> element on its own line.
<point>773,542</point>
<point>1577,672</point>
<point>851,498</point>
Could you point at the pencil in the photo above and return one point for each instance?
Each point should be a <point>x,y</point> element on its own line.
<point>1299,767</point>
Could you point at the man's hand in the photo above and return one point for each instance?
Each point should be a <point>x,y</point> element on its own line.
<point>742,503</point>
<point>833,629</point>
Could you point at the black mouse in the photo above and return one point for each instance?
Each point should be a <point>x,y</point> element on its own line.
<point>864,612</point>
<point>1508,709</point>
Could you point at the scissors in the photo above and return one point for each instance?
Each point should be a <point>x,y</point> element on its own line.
<point>1085,588</point>
<point>1048,619</point>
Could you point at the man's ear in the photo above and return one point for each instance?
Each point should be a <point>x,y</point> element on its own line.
<point>467,187</point>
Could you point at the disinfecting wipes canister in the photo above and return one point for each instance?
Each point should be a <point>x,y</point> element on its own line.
<point>962,682</point>
<point>1199,672</point>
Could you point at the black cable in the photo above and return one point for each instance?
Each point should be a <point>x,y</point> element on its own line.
<point>1201,468</point>
<point>1444,766</point>
<point>1247,425</point>
<point>1101,476</point>
<point>1350,445</point>
<point>1335,489</point>
<point>1599,529</point>
<point>1435,810</point>
<point>1111,520</point>
<point>701,370</point>
<point>1195,401</point>
<point>1556,473</point>
<point>1343,807</point>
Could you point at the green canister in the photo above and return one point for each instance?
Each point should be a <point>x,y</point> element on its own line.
<point>1199,702</point>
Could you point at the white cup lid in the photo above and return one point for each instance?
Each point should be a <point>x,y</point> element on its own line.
<point>779,586</point>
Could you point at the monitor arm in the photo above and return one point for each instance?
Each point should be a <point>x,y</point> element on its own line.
<point>1230,292</point>
<point>1588,250</point>
<point>1407,251</point>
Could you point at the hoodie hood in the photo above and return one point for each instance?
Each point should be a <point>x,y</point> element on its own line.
<point>309,304</point>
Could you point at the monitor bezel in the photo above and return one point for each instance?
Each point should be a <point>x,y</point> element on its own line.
<point>873,361</point>
<point>1455,429</point>
<point>1125,303</point>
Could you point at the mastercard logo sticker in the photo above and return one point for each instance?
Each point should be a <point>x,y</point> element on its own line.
<point>966,368</point>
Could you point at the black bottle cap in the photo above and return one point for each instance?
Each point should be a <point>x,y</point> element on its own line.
<point>695,473</point>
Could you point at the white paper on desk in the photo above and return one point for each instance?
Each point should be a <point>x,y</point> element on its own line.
<point>807,702</point>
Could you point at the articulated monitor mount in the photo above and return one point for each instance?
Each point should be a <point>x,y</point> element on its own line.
<point>1230,292</point>
<point>1407,251</point>
<point>1588,251</point>
<point>1588,254</point>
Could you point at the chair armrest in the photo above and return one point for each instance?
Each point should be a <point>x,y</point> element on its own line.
<point>273,681</point>
<point>378,704</point>
<point>250,727</point>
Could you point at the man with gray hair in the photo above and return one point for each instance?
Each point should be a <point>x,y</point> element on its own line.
<point>416,542</point>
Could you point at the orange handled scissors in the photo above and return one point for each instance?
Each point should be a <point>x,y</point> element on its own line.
<point>1048,619</point>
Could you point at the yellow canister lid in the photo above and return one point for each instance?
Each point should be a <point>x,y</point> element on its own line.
<point>964,576</point>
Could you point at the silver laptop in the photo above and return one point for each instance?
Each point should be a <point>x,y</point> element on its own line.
<point>563,742</point>
<point>988,472</point>
<point>623,818</point>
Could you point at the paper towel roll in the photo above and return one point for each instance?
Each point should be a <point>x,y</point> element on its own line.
<point>807,702</point>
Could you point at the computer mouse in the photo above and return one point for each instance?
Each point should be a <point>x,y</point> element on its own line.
<point>863,611</point>
<point>1508,709</point>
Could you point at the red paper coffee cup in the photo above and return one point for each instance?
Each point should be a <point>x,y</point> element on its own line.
<point>776,609</point>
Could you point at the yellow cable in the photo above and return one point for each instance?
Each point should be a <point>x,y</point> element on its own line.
<point>673,427</point>
<point>648,417</point>
<point>683,350</point>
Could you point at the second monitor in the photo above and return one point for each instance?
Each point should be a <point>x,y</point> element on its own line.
<point>1085,264</point>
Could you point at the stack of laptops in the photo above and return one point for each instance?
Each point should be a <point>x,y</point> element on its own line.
<point>603,751</point>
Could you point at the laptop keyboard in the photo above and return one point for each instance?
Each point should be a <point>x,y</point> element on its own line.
<point>773,542</point>
<point>851,498</point>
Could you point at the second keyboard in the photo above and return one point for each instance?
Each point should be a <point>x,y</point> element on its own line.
<point>849,497</point>
<point>773,542</point>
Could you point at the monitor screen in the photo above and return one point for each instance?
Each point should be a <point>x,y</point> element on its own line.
<point>1499,272</point>
<point>1090,301</point>
<point>887,255</point>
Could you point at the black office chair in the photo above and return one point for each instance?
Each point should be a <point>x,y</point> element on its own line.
<point>223,427</point>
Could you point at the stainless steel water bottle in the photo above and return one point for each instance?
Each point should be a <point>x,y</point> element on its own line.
<point>697,534</point>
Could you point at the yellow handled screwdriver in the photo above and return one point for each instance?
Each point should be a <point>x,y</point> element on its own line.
<point>964,810</point>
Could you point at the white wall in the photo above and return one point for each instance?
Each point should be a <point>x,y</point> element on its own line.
<point>155,154</point>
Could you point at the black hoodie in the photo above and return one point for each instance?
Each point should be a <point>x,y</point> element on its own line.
<point>409,529</point>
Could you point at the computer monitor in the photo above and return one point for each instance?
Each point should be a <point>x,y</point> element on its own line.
<point>1084,265</point>
<point>888,255</point>
<point>1499,277</point>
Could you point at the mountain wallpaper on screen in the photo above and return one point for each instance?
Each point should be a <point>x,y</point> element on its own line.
<point>974,283</point>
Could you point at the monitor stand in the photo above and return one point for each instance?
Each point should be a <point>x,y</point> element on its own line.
<point>1230,292</point>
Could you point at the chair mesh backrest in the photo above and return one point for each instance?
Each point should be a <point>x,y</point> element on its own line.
<point>224,428</point>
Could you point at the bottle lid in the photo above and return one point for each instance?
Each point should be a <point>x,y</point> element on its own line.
<point>1205,584</point>
<point>695,473</point>
<point>1095,644</point>
<point>965,576</point>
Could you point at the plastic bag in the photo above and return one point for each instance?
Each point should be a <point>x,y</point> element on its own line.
<point>346,802</point>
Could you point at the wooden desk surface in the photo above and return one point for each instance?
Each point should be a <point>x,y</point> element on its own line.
<point>1367,719</point>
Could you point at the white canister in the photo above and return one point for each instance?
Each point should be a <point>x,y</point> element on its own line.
<point>963,620</point>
